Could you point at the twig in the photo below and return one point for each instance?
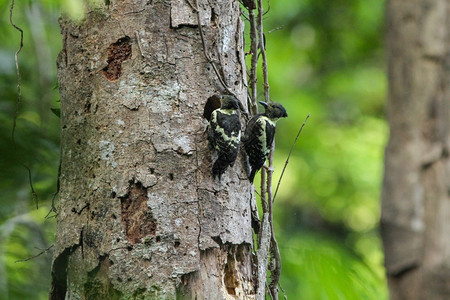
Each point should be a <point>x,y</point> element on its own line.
<point>282,290</point>
<point>263,191</point>
<point>270,173</point>
<point>58,184</point>
<point>262,47</point>
<point>275,29</point>
<point>289,155</point>
<point>219,59</point>
<point>275,252</point>
<point>192,6</point>
<point>265,235</point>
<point>245,16</point>
<point>272,297</point>
<point>259,32</point>
<point>53,207</point>
<point>33,192</point>
<point>254,61</point>
<point>257,193</point>
<point>138,39</point>
<point>19,77</point>
<point>208,58</point>
<point>19,84</point>
<point>133,12</point>
<point>253,107</point>
<point>34,256</point>
<point>268,8</point>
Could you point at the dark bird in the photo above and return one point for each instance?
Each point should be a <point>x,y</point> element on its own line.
<point>259,135</point>
<point>224,133</point>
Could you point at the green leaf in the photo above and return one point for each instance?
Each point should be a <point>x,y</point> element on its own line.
<point>56,111</point>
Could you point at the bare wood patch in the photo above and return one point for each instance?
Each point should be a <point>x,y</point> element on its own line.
<point>230,266</point>
<point>117,53</point>
<point>137,217</point>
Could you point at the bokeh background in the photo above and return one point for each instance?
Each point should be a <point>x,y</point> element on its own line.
<point>325,58</point>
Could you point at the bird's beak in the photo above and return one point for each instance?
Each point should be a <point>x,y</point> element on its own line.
<point>236,104</point>
<point>263,104</point>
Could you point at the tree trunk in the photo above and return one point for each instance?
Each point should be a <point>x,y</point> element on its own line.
<point>140,215</point>
<point>416,190</point>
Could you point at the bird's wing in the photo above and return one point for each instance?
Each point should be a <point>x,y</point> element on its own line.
<point>230,123</point>
<point>226,128</point>
<point>253,130</point>
<point>270,133</point>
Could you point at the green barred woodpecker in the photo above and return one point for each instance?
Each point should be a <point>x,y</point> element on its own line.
<point>224,132</point>
<point>259,134</point>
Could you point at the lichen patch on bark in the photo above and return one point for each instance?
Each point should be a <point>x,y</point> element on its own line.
<point>117,53</point>
<point>137,217</point>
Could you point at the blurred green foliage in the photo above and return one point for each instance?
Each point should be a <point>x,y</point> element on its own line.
<point>24,230</point>
<point>325,58</point>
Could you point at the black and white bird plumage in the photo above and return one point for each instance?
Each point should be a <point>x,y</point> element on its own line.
<point>224,134</point>
<point>259,134</point>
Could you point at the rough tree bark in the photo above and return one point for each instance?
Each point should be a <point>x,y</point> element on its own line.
<point>139,213</point>
<point>416,190</point>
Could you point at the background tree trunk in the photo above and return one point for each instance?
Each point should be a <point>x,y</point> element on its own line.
<point>139,213</point>
<point>416,191</point>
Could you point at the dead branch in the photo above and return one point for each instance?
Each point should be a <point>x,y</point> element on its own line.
<point>275,258</point>
<point>262,48</point>
<point>254,62</point>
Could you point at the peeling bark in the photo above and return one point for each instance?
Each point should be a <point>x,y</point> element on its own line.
<point>415,219</point>
<point>140,215</point>
<point>228,267</point>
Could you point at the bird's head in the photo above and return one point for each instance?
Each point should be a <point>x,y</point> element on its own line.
<point>274,110</point>
<point>229,102</point>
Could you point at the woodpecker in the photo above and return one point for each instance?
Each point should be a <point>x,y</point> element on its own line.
<point>259,134</point>
<point>224,133</point>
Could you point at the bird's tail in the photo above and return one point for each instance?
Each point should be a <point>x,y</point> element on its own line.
<point>252,174</point>
<point>219,167</point>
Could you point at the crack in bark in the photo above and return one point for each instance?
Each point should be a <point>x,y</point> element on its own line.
<point>74,210</point>
<point>198,200</point>
<point>59,272</point>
